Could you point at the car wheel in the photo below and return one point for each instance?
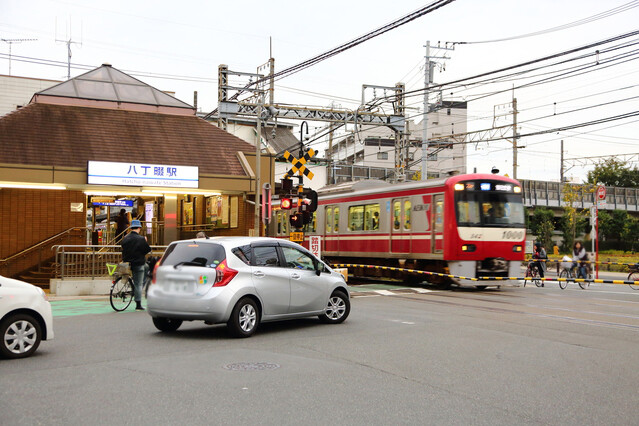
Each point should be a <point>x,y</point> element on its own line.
<point>167,324</point>
<point>244,318</point>
<point>21,335</point>
<point>337,309</point>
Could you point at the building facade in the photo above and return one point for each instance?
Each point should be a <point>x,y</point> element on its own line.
<point>82,150</point>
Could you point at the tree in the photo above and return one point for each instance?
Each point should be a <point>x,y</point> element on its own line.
<point>620,228</point>
<point>573,221</point>
<point>542,225</point>
<point>613,172</point>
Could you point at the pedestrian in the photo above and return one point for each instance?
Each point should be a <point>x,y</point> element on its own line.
<point>201,234</point>
<point>122,223</point>
<point>580,255</point>
<point>540,254</point>
<point>134,249</point>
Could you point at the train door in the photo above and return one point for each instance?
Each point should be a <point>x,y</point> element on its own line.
<point>437,221</point>
<point>400,225</point>
<point>331,229</point>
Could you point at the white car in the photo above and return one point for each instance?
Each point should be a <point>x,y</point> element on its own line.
<point>25,318</point>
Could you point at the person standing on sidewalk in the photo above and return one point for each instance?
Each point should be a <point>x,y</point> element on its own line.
<point>134,249</point>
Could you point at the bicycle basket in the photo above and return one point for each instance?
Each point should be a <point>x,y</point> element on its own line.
<point>123,268</point>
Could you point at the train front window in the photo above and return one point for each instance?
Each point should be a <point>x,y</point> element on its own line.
<point>489,209</point>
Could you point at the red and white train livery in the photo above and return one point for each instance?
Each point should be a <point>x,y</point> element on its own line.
<point>469,225</point>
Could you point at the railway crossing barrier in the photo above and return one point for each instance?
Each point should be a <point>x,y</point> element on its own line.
<point>480,279</point>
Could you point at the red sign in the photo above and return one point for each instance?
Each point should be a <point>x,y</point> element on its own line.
<point>601,192</point>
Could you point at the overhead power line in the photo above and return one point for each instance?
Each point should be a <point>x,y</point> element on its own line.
<point>610,12</point>
<point>348,45</point>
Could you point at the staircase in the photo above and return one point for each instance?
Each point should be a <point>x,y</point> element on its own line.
<point>40,278</point>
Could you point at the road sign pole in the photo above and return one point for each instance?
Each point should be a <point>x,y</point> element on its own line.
<point>597,242</point>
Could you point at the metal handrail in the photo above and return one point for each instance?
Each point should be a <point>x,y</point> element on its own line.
<point>28,254</point>
<point>88,261</point>
<point>41,243</point>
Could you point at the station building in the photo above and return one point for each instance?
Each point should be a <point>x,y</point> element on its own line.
<point>82,150</point>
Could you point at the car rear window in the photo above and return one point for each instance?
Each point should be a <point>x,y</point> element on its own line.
<point>194,254</point>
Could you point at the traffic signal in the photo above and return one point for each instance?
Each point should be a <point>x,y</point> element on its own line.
<point>307,217</point>
<point>296,219</point>
<point>312,205</point>
<point>286,203</point>
<point>287,185</point>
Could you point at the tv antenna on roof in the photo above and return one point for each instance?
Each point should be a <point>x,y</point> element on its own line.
<point>68,42</point>
<point>11,41</point>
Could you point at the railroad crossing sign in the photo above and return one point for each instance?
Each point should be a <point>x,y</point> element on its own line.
<point>299,165</point>
<point>601,197</point>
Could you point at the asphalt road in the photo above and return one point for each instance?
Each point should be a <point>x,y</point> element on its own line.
<point>511,356</point>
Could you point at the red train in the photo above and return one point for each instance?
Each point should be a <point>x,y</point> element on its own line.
<point>469,225</point>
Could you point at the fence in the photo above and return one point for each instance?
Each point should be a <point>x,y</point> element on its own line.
<point>89,261</point>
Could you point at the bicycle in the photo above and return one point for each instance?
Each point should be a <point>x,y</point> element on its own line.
<point>121,294</point>
<point>122,289</point>
<point>533,272</point>
<point>634,275</point>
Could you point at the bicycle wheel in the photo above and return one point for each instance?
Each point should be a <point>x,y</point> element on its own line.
<point>536,278</point>
<point>566,274</point>
<point>121,294</point>
<point>634,276</point>
<point>584,284</point>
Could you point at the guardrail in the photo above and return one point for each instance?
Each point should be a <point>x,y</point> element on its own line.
<point>89,261</point>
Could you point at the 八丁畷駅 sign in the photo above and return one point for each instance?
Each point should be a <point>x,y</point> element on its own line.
<point>141,174</point>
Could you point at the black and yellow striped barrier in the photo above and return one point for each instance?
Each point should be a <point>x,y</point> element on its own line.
<point>418,271</point>
<point>580,261</point>
<point>412,271</point>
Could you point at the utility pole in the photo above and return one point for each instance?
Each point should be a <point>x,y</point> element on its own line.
<point>514,135</point>
<point>561,167</point>
<point>258,161</point>
<point>428,80</point>
<point>11,41</point>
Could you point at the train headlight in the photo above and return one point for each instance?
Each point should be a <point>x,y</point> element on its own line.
<point>517,189</point>
<point>517,248</point>
<point>469,248</point>
<point>459,187</point>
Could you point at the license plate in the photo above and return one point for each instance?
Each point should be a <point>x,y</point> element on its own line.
<point>180,287</point>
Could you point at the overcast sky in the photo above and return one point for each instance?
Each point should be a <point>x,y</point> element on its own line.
<point>189,39</point>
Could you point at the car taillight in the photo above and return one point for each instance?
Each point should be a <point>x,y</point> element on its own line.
<point>155,268</point>
<point>223,274</point>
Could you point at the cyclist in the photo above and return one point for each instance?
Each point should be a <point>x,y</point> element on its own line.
<point>580,255</point>
<point>134,249</point>
<point>540,253</point>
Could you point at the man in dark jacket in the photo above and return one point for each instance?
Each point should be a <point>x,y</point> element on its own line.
<point>134,250</point>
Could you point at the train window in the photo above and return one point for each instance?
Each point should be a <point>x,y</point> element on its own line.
<point>371,217</point>
<point>356,218</point>
<point>284,223</point>
<point>397,213</point>
<point>439,215</point>
<point>468,213</point>
<point>329,220</point>
<point>407,205</point>
<point>336,222</point>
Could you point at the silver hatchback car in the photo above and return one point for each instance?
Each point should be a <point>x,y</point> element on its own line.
<point>242,282</point>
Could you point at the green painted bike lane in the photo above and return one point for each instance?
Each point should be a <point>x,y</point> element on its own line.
<point>75,307</point>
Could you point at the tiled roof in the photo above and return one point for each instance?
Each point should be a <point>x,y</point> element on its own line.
<point>61,135</point>
<point>283,140</point>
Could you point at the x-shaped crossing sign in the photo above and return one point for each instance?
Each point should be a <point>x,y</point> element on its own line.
<point>299,165</point>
